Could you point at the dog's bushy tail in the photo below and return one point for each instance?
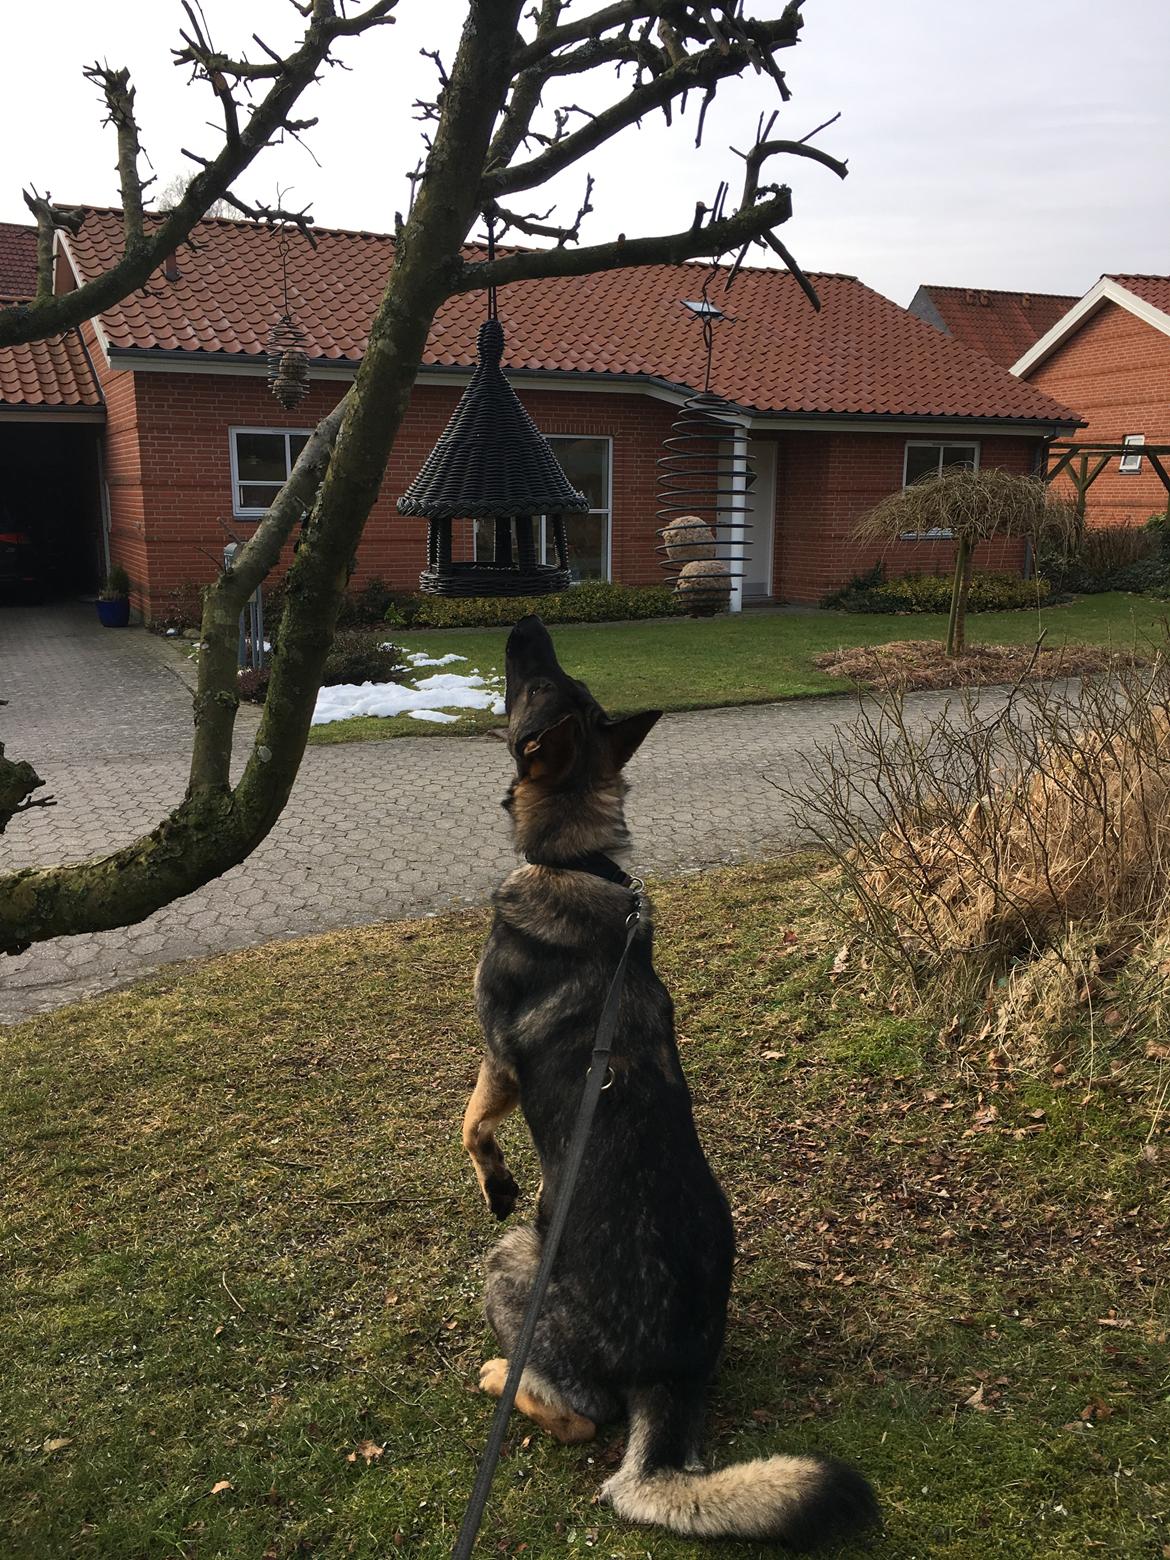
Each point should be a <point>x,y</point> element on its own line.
<point>801,1501</point>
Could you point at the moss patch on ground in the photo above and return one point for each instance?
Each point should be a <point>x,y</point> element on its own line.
<point>749,658</point>
<point>242,1260</point>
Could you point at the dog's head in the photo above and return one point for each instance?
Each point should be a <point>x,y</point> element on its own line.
<point>561,738</point>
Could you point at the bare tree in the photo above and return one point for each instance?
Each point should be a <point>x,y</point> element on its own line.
<point>488,137</point>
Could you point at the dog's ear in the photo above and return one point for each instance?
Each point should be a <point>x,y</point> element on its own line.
<point>626,736</point>
<point>551,755</point>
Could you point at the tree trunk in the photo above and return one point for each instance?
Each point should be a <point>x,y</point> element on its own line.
<point>215,827</point>
<point>960,590</point>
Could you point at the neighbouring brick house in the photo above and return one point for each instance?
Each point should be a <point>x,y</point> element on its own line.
<point>1001,325</point>
<point>841,406</point>
<point>1109,356</point>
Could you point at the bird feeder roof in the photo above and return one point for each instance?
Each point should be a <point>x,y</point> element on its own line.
<point>491,461</point>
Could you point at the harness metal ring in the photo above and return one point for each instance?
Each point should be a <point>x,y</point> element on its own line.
<point>608,1084</point>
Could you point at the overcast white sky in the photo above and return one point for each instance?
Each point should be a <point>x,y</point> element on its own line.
<point>993,143</point>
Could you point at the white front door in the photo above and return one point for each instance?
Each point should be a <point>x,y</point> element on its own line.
<point>757,566</point>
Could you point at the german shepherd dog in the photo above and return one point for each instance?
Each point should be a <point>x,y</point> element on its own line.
<point>634,1318</point>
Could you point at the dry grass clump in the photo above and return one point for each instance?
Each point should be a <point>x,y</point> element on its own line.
<point>1013,850</point>
<point>915,664</point>
<point>973,505</point>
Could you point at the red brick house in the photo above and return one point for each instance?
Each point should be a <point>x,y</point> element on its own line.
<point>1109,356</point>
<point>841,407</point>
<point>1002,325</point>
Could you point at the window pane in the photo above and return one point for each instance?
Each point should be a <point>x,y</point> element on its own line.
<point>296,444</point>
<point>258,495</point>
<point>586,464</point>
<point>587,549</point>
<point>921,461</point>
<point>959,455</point>
<point>260,457</point>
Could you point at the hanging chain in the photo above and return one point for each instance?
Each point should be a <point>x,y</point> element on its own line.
<point>709,322</point>
<point>490,218</point>
<point>284,250</point>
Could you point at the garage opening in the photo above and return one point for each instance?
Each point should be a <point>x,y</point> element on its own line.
<point>50,511</point>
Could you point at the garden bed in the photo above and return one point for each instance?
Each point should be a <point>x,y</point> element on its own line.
<point>916,664</point>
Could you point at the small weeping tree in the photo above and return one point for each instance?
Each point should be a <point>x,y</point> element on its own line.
<point>972,506</point>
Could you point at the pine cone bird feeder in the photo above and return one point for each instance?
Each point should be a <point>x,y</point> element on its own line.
<point>493,464</point>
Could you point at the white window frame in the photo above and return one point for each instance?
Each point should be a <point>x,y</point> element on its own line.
<point>288,433</point>
<point>542,538</point>
<point>595,438</point>
<point>939,534</point>
<point>1131,465</point>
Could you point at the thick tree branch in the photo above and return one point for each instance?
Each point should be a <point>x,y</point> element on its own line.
<point>691,72</point>
<point>18,781</point>
<point>119,99</point>
<point>49,314</point>
<point>216,699</point>
<point>699,240</point>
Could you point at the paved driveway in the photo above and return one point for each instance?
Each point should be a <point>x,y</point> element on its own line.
<point>372,831</point>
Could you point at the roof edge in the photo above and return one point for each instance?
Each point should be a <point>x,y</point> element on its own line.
<point>1102,292</point>
<point>146,358</point>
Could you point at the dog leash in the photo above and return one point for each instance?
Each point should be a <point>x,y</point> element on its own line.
<point>598,1078</point>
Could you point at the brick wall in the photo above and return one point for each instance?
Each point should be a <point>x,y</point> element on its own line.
<point>169,501</point>
<point>824,484</point>
<point>169,473</point>
<point>1115,371</point>
<point>122,470</point>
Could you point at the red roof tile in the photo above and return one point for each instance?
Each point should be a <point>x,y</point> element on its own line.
<point>1151,289</point>
<point>48,375</point>
<point>18,260</point>
<point>861,355</point>
<point>1001,325</point>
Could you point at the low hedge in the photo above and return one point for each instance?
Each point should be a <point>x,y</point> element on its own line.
<point>356,656</point>
<point>593,601</point>
<point>932,593</point>
<point>1121,557</point>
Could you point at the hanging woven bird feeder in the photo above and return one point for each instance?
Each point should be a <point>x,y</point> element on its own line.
<point>493,467</point>
<point>288,362</point>
<point>704,482</point>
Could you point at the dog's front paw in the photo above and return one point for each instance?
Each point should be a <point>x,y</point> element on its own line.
<point>500,1192</point>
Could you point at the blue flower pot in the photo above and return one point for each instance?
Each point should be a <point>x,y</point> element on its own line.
<point>114,614</point>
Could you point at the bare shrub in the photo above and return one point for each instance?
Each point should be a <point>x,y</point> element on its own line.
<point>1104,550</point>
<point>985,838</point>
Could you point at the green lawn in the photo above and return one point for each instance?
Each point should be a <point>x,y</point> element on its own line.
<point>754,658</point>
<point>241,1261</point>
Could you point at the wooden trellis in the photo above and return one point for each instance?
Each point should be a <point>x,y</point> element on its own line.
<point>1084,463</point>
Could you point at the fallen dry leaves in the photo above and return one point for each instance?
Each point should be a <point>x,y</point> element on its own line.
<point>923,663</point>
<point>369,1450</point>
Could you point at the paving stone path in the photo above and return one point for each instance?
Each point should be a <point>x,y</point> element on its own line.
<point>372,831</point>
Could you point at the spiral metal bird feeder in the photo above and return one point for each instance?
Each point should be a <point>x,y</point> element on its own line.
<point>704,482</point>
<point>288,362</point>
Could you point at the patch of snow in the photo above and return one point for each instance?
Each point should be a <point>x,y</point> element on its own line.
<point>444,690</point>
<point>421,658</point>
<point>430,698</point>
